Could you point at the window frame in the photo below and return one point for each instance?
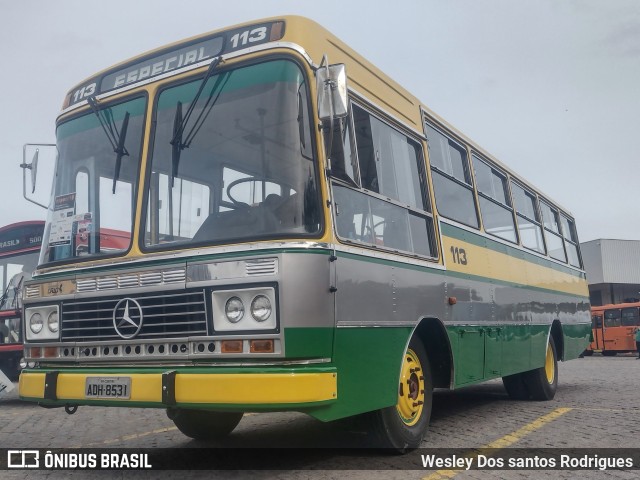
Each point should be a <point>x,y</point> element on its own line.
<point>553,208</point>
<point>507,193</point>
<point>426,212</point>
<point>466,167</point>
<point>536,211</point>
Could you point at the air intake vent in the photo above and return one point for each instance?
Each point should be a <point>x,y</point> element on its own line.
<point>261,266</point>
<point>131,280</point>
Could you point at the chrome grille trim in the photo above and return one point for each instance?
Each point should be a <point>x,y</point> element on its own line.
<point>176,314</point>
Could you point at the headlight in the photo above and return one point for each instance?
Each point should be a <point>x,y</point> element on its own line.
<point>261,308</point>
<point>52,321</point>
<point>37,317</point>
<point>234,309</point>
<point>244,310</point>
<point>36,323</point>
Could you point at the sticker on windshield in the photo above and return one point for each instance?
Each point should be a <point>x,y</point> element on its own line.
<point>64,210</point>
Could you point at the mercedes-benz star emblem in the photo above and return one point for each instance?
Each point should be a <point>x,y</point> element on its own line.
<point>127,318</point>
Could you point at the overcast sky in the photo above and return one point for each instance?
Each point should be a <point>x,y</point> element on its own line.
<point>550,87</point>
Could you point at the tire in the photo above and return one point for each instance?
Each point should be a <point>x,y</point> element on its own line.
<point>609,353</point>
<point>542,382</point>
<point>204,424</point>
<point>515,387</point>
<point>588,353</point>
<point>403,426</point>
<point>538,384</point>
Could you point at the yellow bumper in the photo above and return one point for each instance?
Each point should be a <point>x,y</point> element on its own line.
<point>190,388</point>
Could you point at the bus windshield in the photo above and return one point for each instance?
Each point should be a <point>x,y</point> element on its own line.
<point>235,163</point>
<point>90,212</point>
<point>14,271</point>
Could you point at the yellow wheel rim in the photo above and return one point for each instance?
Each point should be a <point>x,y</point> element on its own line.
<point>549,365</point>
<point>411,389</point>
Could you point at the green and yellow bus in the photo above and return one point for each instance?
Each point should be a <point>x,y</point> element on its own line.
<point>259,219</point>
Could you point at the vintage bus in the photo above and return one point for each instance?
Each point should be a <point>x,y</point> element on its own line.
<point>19,249</point>
<point>302,234</point>
<point>614,328</point>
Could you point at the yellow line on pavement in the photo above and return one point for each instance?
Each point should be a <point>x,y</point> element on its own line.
<point>504,442</point>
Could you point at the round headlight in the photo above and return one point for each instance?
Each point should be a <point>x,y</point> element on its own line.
<point>261,308</point>
<point>52,321</point>
<point>234,310</point>
<point>36,323</point>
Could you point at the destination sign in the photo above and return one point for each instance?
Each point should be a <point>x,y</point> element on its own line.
<point>19,238</point>
<point>177,57</point>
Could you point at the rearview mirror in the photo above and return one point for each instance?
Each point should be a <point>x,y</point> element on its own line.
<point>331,83</point>
<point>36,152</point>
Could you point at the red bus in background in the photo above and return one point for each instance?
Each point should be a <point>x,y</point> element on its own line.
<point>614,328</point>
<point>19,251</point>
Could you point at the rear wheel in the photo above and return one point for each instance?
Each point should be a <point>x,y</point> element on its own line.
<point>204,424</point>
<point>538,384</point>
<point>403,426</point>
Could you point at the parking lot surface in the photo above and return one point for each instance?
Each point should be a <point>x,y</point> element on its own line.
<point>597,406</point>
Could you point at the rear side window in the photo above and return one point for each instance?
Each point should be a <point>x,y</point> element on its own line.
<point>495,206</point>
<point>451,178</point>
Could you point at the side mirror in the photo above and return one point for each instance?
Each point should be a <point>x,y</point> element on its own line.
<point>35,151</point>
<point>331,83</point>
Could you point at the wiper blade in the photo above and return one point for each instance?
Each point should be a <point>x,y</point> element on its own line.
<point>116,138</point>
<point>176,143</point>
<point>120,151</point>
<point>180,122</point>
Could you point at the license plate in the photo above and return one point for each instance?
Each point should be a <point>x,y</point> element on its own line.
<point>108,387</point>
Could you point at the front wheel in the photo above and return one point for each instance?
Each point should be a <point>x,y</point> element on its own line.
<point>204,424</point>
<point>403,426</point>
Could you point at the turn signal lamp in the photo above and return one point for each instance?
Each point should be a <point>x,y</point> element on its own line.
<point>35,352</point>
<point>231,346</point>
<point>50,352</point>
<point>261,346</point>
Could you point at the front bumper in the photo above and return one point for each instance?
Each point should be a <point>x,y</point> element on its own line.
<point>281,389</point>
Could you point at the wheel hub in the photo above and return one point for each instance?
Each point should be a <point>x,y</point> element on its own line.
<point>411,389</point>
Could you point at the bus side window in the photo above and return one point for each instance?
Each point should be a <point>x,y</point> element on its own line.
<point>612,318</point>
<point>528,218</point>
<point>630,317</point>
<point>495,204</point>
<point>451,178</point>
<point>552,233</point>
<point>596,321</point>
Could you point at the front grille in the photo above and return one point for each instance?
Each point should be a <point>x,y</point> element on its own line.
<point>169,315</point>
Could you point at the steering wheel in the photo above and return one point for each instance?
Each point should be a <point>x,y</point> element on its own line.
<point>252,179</point>
<point>372,230</point>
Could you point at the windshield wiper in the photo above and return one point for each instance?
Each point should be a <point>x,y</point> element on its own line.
<point>180,122</point>
<point>115,137</point>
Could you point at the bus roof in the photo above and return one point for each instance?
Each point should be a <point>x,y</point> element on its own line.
<point>316,41</point>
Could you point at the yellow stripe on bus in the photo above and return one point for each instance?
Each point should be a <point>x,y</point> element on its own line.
<point>488,263</point>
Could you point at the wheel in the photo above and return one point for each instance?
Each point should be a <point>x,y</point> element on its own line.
<point>609,353</point>
<point>515,386</point>
<point>403,426</point>
<point>204,424</point>
<point>538,384</point>
<point>542,383</point>
<point>587,353</point>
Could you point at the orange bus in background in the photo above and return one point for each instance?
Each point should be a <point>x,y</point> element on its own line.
<point>614,328</point>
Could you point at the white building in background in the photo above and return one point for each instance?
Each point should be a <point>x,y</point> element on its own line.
<point>613,270</point>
